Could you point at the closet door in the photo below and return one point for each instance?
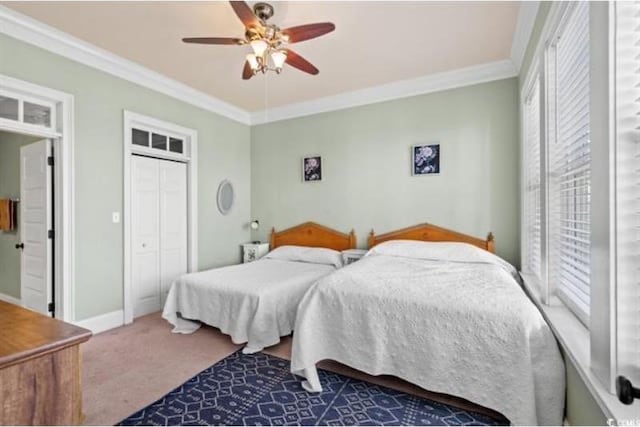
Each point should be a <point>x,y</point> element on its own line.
<point>145,203</point>
<point>173,224</point>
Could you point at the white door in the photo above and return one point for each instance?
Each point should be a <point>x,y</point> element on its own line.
<point>159,230</point>
<point>173,224</point>
<point>145,198</point>
<point>35,223</point>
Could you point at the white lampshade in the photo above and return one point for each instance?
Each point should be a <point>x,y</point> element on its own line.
<point>259,46</point>
<point>255,224</point>
<point>253,61</point>
<point>278,57</point>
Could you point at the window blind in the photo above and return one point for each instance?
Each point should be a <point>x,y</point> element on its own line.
<point>531,178</point>
<point>628,186</point>
<point>569,163</point>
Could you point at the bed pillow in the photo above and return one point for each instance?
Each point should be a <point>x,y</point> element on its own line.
<point>307,254</point>
<point>442,251</point>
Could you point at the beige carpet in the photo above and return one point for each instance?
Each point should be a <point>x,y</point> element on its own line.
<point>128,368</point>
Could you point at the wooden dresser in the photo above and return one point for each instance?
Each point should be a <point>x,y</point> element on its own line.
<point>39,368</point>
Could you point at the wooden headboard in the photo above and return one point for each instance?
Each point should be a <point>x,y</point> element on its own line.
<point>431,233</point>
<point>313,235</point>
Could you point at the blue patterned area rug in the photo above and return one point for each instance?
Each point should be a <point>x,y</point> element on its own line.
<point>258,389</point>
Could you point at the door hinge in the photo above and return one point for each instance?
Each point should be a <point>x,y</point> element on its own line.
<point>50,234</point>
<point>51,307</point>
<point>50,160</point>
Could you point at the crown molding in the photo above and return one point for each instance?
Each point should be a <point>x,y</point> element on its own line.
<point>29,30</point>
<point>401,89</point>
<point>524,27</point>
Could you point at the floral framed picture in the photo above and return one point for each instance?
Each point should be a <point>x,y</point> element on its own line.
<point>425,159</point>
<point>312,169</point>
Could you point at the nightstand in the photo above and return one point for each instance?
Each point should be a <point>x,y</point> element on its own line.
<point>352,255</point>
<point>254,251</point>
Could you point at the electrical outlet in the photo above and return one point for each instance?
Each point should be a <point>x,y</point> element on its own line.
<point>115,217</point>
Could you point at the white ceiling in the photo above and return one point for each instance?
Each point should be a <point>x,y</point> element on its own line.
<point>374,42</point>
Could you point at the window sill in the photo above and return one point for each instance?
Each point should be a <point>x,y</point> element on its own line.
<point>574,339</point>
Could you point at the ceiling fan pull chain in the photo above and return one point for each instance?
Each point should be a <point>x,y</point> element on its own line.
<point>266,98</point>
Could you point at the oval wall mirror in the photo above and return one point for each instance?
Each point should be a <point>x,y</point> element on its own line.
<point>226,197</point>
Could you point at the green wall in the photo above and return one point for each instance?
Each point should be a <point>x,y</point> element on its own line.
<point>10,144</point>
<point>581,407</point>
<point>100,98</point>
<point>367,181</point>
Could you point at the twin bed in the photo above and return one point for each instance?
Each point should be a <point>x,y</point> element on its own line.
<point>431,306</point>
<point>256,303</point>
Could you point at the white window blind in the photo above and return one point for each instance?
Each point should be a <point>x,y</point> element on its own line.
<point>628,187</point>
<point>531,168</point>
<point>569,178</point>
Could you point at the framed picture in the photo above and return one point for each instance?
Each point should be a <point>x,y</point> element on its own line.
<point>312,168</point>
<point>425,159</point>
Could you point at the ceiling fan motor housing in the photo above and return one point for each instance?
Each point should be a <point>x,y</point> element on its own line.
<point>264,11</point>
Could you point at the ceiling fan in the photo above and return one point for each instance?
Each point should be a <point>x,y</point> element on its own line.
<point>268,41</point>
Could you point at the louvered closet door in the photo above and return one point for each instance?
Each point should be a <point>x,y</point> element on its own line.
<point>173,224</point>
<point>159,230</point>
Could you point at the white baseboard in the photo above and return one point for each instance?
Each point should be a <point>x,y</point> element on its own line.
<point>103,322</point>
<point>96,324</point>
<point>10,299</point>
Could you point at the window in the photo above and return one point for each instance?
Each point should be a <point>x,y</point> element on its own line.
<point>36,114</point>
<point>153,141</point>
<point>531,254</point>
<point>569,148</point>
<point>587,66</point>
<point>140,137</point>
<point>16,107</point>
<point>175,145</point>
<point>557,166</point>
<point>158,141</point>
<point>628,187</point>
<point>9,108</point>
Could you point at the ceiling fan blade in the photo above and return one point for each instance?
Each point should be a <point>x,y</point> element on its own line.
<point>300,63</point>
<point>213,40</point>
<point>247,72</point>
<point>245,14</point>
<point>308,31</point>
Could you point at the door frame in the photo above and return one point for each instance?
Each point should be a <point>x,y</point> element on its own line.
<point>130,120</point>
<point>62,135</point>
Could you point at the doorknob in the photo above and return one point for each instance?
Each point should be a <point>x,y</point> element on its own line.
<point>626,391</point>
<point>20,246</point>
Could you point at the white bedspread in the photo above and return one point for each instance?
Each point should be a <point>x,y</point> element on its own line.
<point>254,303</point>
<point>465,329</point>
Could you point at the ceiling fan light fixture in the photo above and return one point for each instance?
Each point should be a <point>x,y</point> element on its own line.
<point>267,40</point>
<point>278,57</point>
<point>253,61</point>
<point>259,46</point>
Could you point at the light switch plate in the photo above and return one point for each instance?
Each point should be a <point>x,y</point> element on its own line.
<point>115,217</point>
